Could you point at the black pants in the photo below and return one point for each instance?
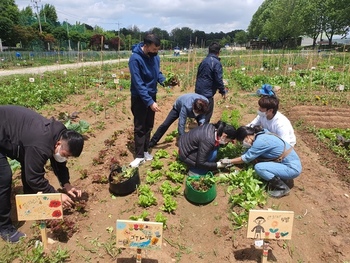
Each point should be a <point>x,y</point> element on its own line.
<point>170,119</point>
<point>210,110</point>
<point>143,125</point>
<point>5,191</point>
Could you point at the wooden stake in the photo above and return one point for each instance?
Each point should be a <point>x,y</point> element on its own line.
<point>265,252</point>
<point>139,255</point>
<point>43,234</point>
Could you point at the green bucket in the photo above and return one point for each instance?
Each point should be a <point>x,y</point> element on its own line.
<point>199,197</point>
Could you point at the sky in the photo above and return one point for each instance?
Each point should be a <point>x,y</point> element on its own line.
<point>204,15</point>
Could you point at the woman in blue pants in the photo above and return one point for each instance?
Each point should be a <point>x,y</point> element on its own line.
<point>275,160</point>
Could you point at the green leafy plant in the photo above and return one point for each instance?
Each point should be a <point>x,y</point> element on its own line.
<point>178,167</point>
<point>175,176</point>
<point>81,127</point>
<point>169,205</point>
<point>157,164</point>
<point>202,183</point>
<point>161,219</point>
<point>161,153</point>
<point>167,189</point>
<point>144,215</point>
<point>146,196</point>
<point>122,173</point>
<point>153,176</point>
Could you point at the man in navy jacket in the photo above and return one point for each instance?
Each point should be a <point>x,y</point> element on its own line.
<point>31,139</point>
<point>144,66</point>
<point>209,78</point>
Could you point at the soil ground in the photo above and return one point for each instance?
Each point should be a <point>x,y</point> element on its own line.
<point>319,199</point>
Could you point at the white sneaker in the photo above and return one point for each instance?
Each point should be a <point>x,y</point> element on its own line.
<point>148,157</point>
<point>137,162</point>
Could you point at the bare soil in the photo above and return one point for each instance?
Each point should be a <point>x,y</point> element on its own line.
<point>204,233</point>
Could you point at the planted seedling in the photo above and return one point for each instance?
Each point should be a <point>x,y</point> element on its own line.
<point>203,183</point>
<point>169,205</point>
<point>167,189</point>
<point>120,174</point>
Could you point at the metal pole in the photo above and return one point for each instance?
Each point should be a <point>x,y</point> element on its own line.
<point>37,13</point>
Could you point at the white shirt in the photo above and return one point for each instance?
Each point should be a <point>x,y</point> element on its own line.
<point>279,125</point>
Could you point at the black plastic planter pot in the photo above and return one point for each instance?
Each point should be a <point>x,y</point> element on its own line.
<point>125,187</point>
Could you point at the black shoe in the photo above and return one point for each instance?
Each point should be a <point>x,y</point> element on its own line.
<point>151,144</point>
<point>289,182</point>
<point>11,234</point>
<point>277,188</point>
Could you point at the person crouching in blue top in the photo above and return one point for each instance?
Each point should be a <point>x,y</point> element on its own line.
<point>275,160</point>
<point>198,148</point>
<point>144,66</point>
<point>190,105</point>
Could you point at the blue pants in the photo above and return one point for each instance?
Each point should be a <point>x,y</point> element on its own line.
<point>289,168</point>
<point>199,171</point>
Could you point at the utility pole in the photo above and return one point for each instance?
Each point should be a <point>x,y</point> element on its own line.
<point>69,48</point>
<point>36,6</point>
<point>118,43</point>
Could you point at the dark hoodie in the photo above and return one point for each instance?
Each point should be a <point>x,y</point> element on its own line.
<point>30,138</point>
<point>145,73</point>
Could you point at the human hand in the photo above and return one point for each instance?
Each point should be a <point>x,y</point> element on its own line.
<point>220,165</point>
<point>155,107</point>
<point>226,161</point>
<point>72,190</point>
<point>67,202</point>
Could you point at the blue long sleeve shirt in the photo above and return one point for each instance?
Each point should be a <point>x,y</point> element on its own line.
<point>145,74</point>
<point>184,106</point>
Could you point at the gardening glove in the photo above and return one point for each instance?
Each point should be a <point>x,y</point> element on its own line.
<point>226,161</point>
<point>220,165</point>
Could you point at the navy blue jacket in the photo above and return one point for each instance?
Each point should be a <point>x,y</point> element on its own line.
<point>209,77</point>
<point>30,138</point>
<point>145,73</point>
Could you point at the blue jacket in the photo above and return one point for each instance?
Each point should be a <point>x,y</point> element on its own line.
<point>209,77</point>
<point>145,73</point>
<point>184,106</point>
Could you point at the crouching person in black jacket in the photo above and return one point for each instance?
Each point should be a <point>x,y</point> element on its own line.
<point>198,148</point>
<point>31,139</point>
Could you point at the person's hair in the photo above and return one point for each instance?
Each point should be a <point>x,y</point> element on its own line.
<point>75,141</point>
<point>214,48</point>
<point>223,127</point>
<point>200,106</point>
<point>269,102</point>
<point>244,131</point>
<point>151,38</point>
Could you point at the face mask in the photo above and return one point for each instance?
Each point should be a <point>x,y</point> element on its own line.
<point>195,113</point>
<point>152,54</point>
<point>58,157</point>
<point>246,145</point>
<point>223,141</point>
<point>262,113</point>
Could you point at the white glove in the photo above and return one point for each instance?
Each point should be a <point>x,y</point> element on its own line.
<point>220,165</point>
<point>226,161</point>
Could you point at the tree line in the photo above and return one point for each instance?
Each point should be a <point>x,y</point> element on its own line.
<point>278,22</point>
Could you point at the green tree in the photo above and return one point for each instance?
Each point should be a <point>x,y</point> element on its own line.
<point>26,17</point>
<point>9,17</point>
<point>241,38</point>
<point>48,14</point>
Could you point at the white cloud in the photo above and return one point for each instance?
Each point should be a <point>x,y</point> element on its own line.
<point>204,15</point>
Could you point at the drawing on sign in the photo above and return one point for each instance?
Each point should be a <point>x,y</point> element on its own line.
<point>258,228</point>
<point>139,234</point>
<point>39,206</point>
<point>270,224</point>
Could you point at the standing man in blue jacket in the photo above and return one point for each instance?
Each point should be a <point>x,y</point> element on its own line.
<point>190,105</point>
<point>144,66</point>
<point>32,140</point>
<point>209,78</point>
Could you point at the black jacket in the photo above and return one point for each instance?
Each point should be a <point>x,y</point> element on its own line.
<point>196,145</point>
<point>209,77</point>
<point>30,138</point>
